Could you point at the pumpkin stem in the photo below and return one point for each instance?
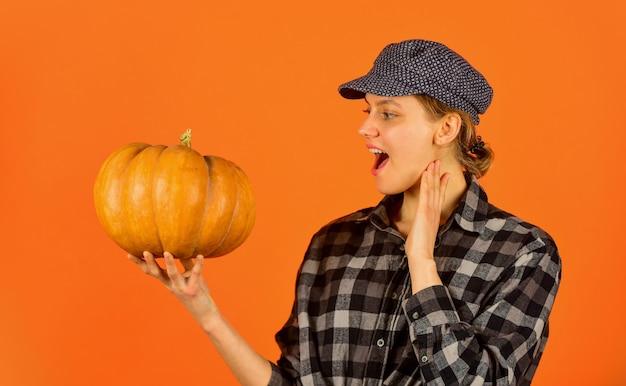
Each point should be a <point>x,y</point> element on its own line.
<point>185,138</point>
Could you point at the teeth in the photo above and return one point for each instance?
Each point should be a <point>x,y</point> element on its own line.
<point>376,151</point>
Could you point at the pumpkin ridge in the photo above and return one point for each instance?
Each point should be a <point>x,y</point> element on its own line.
<point>123,184</point>
<point>206,204</point>
<point>248,200</point>
<point>244,193</point>
<point>154,217</point>
<point>220,205</point>
<point>137,209</point>
<point>232,216</point>
<point>112,217</point>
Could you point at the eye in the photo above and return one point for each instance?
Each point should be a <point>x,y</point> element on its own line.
<point>387,115</point>
<point>367,111</point>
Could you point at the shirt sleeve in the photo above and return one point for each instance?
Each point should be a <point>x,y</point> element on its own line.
<point>284,372</point>
<point>280,378</point>
<point>507,334</point>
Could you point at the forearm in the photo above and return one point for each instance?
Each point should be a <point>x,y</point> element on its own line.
<point>191,290</point>
<point>457,352</point>
<point>245,363</point>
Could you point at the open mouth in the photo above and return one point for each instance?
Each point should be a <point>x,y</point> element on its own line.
<point>380,160</point>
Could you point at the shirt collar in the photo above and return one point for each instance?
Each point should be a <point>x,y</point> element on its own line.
<point>470,214</point>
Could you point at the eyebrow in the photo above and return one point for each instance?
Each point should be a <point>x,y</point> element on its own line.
<point>385,102</point>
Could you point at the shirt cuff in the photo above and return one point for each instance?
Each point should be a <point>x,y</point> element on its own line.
<point>430,307</point>
<point>278,378</point>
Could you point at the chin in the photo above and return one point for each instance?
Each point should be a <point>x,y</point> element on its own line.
<point>388,190</point>
<point>391,188</point>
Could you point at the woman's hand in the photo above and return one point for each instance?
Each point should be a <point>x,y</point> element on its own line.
<point>189,287</point>
<point>420,242</point>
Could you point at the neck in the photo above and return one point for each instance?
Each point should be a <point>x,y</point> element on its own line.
<point>405,214</point>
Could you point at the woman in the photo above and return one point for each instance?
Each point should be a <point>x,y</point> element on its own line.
<point>432,286</point>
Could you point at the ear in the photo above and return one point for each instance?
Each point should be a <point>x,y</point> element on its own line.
<point>448,129</point>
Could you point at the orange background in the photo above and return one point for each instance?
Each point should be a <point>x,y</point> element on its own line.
<point>256,81</point>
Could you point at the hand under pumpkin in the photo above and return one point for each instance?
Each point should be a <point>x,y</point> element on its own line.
<point>189,286</point>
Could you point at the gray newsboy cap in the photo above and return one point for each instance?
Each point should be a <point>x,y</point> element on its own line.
<point>424,67</point>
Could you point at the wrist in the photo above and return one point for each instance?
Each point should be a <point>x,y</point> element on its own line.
<point>423,274</point>
<point>212,323</point>
<point>206,314</point>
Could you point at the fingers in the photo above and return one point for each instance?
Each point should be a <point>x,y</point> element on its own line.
<point>443,187</point>
<point>440,182</point>
<point>428,187</point>
<point>141,262</point>
<point>433,185</point>
<point>170,264</point>
<point>196,269</point>
<point>189,279</point>
<point>150,267</point>
<point>422,236</point>
<point>195,274</point>
<point>135,259</point>
<point>177,279</point>
<point>154,269</point>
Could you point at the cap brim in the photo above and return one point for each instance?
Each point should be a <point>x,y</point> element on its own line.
<point>373,84</point>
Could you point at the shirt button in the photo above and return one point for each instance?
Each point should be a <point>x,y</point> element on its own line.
<point>416,315</point>
<point>402,247</point>
<point>424,359</point>
<point>380,342</point>
<point>394,296</point>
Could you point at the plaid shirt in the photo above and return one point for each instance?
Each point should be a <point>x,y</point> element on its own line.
<point>355,320</point>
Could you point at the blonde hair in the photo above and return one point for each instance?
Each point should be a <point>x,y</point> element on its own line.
<point>475,159</point>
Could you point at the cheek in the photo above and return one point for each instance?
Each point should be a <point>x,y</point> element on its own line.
<point>416,151</point>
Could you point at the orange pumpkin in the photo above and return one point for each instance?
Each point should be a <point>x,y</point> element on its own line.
<point>173,199</point>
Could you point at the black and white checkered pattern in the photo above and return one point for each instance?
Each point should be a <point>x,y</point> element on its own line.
<point>424,67</point>
<point>356,321</point>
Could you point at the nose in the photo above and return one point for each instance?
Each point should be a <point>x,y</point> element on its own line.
<point>368,128</point>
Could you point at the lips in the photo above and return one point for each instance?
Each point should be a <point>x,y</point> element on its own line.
<point>380,160</point>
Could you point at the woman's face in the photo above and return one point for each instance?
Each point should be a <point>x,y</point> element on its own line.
<point>400,134</point>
